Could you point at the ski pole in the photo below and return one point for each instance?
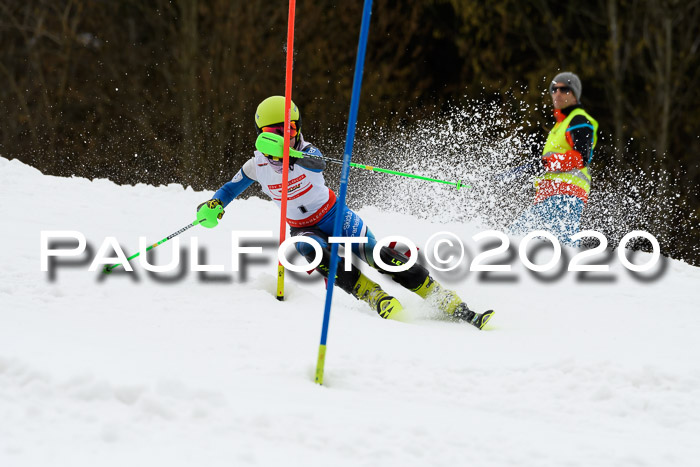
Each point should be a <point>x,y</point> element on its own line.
<point>109,267</point>
<point>272,144</point>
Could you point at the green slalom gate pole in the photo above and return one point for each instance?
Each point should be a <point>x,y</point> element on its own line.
<point>272,144</point>
<point>109,267</point>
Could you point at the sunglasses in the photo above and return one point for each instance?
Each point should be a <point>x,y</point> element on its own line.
<point>279,129</point>
<point>564,89</point>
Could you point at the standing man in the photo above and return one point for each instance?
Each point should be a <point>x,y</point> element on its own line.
<point>563,182</point>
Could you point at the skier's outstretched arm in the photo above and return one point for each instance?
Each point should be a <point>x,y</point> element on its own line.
<point>212,210</point>
<point>238,184</point>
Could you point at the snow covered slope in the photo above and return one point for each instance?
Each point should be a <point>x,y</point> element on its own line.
<point>132,369</point>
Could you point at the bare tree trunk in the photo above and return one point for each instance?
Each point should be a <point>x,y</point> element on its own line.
<point>188,88</point>
<point>617,79</point>
<point>666,82</point>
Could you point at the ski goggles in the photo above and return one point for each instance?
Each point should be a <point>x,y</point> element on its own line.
<point>279,129</point>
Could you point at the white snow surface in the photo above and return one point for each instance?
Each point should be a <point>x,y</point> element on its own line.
<point>127,369</point>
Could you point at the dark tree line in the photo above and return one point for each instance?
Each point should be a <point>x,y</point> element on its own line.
<point>164,91</point>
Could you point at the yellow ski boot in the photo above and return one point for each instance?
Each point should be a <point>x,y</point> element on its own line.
<point>444,299</point>
<point>449,302</point>
<point>368,291</point>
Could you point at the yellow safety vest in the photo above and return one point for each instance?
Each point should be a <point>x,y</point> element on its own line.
<point>557,143</point>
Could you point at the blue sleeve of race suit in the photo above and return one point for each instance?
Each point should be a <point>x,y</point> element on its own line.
<point>313,160</point>
<point>232,189</point>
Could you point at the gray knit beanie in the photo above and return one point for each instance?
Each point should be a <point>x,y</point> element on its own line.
<point>570,80</point>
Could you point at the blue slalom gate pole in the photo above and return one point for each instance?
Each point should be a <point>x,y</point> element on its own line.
<point>344,176</point>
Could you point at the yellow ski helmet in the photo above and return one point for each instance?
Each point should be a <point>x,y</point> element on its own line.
<point>271,112</point>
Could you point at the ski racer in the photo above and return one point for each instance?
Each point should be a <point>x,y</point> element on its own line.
<point>311,212</point>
